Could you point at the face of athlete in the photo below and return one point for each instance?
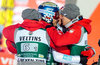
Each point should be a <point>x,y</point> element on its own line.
<point>61,21</point>
<point>58,21</point>
<point>65,20</point>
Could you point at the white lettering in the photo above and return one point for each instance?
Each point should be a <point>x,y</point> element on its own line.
<point>14,62</point>
<point>9,61</point>
<point>4,61</point>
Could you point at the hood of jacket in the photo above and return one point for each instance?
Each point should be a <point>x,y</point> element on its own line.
<point>32,25</point>
<point>86,24</point>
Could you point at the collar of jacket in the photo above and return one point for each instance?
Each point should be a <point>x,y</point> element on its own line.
<point>32,25</point>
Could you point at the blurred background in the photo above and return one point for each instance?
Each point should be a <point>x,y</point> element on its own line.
<point>10,13</point>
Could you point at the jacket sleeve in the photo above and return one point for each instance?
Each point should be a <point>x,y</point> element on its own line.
<point>11,46</point>
<point>62,58</point>
<point>8,33</point>
<point>72,36</point>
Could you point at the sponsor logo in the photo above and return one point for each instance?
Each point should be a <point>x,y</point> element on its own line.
<point>29,38</point>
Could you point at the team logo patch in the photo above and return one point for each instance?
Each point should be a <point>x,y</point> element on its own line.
<point>30,33</point>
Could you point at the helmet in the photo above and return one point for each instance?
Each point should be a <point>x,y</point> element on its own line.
<point>49,11</point>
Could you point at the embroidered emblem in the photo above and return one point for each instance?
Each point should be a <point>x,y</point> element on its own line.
<point>30,33</point>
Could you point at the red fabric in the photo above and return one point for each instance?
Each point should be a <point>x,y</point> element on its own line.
<point>8,32</point>
<point>10,47</point>
<point>30,25</point>
<point>86,24</point>
<point>72,36</point>
<point>66,39</point>
<point>63,49</point>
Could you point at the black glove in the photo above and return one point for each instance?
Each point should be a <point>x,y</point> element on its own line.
<point>48,26</point>
<point>83,60</point>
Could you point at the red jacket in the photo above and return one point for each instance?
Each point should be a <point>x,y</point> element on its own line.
<point>34,25</point>
<point>8,32</point>
<point>72,36</point>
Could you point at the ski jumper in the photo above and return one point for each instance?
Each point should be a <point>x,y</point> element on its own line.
<point>31,41</point>
<point>71,37</point>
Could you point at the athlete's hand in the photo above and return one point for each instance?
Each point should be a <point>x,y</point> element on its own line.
<point>89,52</point>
